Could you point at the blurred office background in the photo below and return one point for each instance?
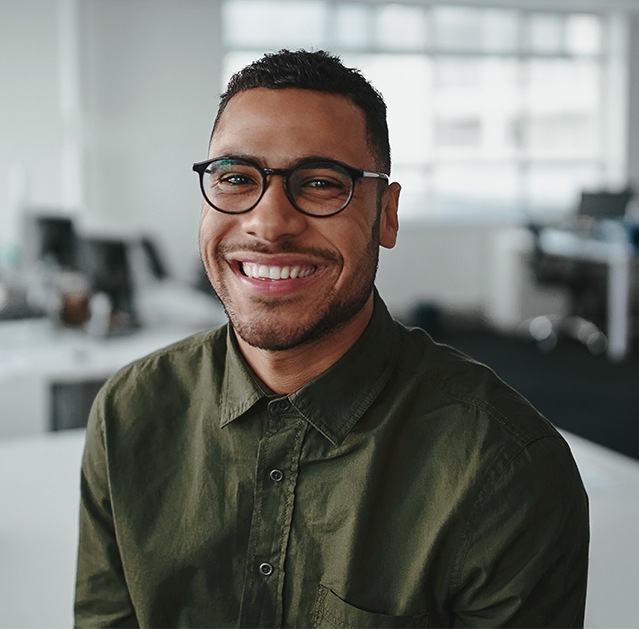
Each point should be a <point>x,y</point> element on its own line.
<point>515,134</point>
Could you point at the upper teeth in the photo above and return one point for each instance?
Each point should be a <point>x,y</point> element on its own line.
<point>262,271</point>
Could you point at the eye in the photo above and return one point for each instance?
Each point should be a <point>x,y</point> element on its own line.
<point>319,184</point>
<point>325,180</point>
<point>228,176</point>
<point>234,179</point>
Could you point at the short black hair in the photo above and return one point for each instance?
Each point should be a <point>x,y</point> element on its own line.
<point>323,72</point>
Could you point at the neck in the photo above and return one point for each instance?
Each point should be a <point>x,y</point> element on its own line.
<point>287,370</point>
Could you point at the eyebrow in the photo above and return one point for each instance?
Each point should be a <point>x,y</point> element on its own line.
<point>262,162</point>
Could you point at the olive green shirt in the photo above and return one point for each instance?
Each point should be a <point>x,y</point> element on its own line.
<point>406,486</point>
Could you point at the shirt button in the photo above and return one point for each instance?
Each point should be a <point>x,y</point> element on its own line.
<point>283,405</point>
<point>276,475</point>
<point>266,569</point>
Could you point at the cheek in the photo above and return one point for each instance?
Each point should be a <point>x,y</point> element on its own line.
<point>354,237</point>
<point>210,232</point>
<point>208,244</point>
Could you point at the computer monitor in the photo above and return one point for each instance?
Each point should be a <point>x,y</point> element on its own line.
<point>105,263</point>
<point>604,204</point>
<point>52,239</point>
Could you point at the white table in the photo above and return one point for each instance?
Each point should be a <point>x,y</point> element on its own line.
<point>616,253</point>
<point>36,355</point>
<point>39,494</point>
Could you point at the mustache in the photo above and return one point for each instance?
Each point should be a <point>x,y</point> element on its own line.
<point>227,249</point>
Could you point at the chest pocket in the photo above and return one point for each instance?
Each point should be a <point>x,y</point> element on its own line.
<point>331,612</point>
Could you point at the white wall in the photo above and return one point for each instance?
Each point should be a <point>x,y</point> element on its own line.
<point>31,123</point>
<point>437,262</point>
<point>151,76</point>
<point>104,107</point>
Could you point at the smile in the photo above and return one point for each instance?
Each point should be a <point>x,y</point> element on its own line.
<point>267,272</point>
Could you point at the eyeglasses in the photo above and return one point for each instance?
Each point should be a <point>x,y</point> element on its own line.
<point>234,185</point>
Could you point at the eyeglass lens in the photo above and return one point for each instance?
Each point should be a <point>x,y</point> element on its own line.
<point>319,189</point>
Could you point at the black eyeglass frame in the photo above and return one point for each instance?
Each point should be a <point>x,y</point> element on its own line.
<point>354,173</point>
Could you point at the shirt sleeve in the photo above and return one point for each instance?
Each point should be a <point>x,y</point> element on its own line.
<point>524,562</point>
<point>101,598</point>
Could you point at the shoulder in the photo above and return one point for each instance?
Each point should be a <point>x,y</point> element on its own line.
<point>476,432</point>
<point>465,395</point>
<point>168,373</point>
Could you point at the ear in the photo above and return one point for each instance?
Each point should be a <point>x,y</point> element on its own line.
<point>389,221</point>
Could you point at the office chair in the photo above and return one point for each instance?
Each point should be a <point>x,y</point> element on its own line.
<point>584,282</point>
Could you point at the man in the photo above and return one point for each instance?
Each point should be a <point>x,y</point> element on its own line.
<point>315,463</point>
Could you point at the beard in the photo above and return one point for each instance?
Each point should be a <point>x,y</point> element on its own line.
<point>269,328</point>
<point>270,332</point>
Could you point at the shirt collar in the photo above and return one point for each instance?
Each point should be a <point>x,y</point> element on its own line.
<point>240,390</point>
<point>333,401</point>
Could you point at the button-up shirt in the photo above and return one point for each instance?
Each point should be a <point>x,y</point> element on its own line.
<point>405,486</point>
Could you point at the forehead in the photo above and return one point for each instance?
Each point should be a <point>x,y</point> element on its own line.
<point>290,123</point>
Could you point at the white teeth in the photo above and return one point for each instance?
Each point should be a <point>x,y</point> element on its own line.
<point>262,271</point>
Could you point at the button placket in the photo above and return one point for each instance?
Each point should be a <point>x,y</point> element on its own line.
<point>277,467</point>
<point>279,406</point>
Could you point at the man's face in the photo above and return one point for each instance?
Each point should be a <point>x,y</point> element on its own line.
<point>285,278</point>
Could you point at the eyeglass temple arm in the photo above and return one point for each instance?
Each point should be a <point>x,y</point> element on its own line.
<point>368,173</point>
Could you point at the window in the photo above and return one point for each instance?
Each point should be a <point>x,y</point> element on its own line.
<point>491,110</point>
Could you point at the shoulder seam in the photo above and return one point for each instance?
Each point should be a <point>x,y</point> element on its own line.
<point>487,407</point>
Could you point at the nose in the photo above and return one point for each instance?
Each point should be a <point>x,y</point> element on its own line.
<point>274,218</point>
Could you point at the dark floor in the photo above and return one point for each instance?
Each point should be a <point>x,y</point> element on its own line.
<point>579,392</point>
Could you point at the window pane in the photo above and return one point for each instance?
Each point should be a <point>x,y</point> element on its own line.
<point>353,25</point>
<point>458,132</point>
<point>453,73</point>
<point>556,134</point>
<point>545,33</point>
<point>500,30</point>
<point>409,104</point>
<point>464,28</point>
<point>584,34</point>
<point>577,34</point>
<point>233,62</point>
<point>476,104</point>
<point>494,186</point>
<point>274,23</point>
<point>416,199</point>
<point>562,101</point>
<point>401,27</point>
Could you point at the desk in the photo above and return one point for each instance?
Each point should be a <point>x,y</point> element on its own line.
<point>616,253</point>
<point>36,355</point>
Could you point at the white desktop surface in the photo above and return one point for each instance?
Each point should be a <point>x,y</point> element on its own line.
<point>35,355</point>
<point>39,493</point>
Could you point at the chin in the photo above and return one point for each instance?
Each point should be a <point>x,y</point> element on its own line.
<point>277,338</point>
<point>280,333</point>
